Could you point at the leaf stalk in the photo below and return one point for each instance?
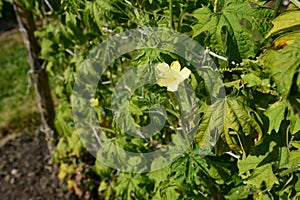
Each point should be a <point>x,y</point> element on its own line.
<point>216,5</point>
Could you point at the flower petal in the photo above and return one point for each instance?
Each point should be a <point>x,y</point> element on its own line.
<point>172,88</point>
<point>94,102</point>
<point>175,66</point>
<point>163,82</point>
<point>185,73</point>
<point>162,67</point>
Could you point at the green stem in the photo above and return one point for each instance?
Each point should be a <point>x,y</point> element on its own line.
<point>215,6</point>
<point>277,7</point>
<point>180,19</point>
<point>171,14</point>
<point>107,130</point>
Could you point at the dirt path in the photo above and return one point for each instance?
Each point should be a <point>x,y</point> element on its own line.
<point>25,172</point>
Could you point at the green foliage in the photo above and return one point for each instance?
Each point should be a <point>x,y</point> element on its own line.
<point>229,31</point>
<point>240,124</point>
<point>284,65</point>
<point>257,153</point>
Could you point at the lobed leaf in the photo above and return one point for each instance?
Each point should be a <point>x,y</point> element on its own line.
<point>268,177</point>
<point>225,115</point>
<point>283,64</point>
<point>275,113</point>
<point>231,31</point>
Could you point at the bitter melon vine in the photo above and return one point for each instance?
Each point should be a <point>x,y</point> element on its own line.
<point>256,50</point>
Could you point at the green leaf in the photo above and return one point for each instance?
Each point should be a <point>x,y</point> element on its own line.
<point>75,144</point>
<point>296,3</point>
<point>129,184</point>
<point>187,166</point>
<point>275,113</point>
<point>294,122</point>
<point>297,185</point>
<point>252,161</point>
<point>61,149</point>
<point>251,80</point>
<point>47,48</point>
<point>263,174</point>
<point>159,176</point>
<point>236,193</point>
<point>240,117</point>
<point>283,64</point>
<point>219,172</point>
<point>294,158</point>
<point>230,31</point>
<point>102,170</point>
<point>296,144</point>
<point>210,121</point>
<point>285,21</point>
<point>134,109</point>
<point>225,115</point>
<point>167,191</point>
<point>235,84</point>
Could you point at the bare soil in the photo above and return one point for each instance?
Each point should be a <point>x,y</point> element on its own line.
<point>26,171</point>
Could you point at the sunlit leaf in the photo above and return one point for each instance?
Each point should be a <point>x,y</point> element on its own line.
<point>283,64</point>
<point>263,174</point>
<point>129,185</point>
<point>225,115</point>
<point>275,114</point>
<point>252,161</point>
<point>228,30</point>
<point>285,21</point>
<point>251,80</point>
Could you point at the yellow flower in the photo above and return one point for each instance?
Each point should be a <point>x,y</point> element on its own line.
<point>94,102</point>
<point>171,76</point>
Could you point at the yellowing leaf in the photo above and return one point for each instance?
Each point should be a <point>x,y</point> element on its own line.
<point>70,184</point>
<point>102,186</point>
<point>285,21</point>
<point>286,39</point>
<point>63,171</point>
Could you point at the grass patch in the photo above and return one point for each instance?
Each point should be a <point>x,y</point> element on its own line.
<point>18,108</point>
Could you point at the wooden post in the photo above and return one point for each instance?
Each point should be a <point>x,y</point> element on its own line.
<point>40,78</point>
